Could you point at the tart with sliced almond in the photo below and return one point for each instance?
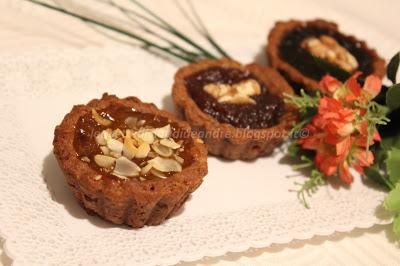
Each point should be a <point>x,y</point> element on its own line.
<point>238,110</point>
<point>305,51</point>
<point>127,161</point>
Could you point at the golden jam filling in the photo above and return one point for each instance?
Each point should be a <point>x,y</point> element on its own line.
<point>121,143</point>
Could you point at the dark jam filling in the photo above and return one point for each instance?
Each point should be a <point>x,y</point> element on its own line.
<point>87,129</point>
<point>265,113</point>
<point>290,50</point>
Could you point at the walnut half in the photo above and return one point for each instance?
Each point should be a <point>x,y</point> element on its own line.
<point>327,48</point>
<point>238,93</point>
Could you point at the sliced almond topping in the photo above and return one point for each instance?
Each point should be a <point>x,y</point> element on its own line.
<point>115,145</point>
<point>128,133</point>
<point>105,150</point>
<point>179,159</point>
<point>126,167</point>
<point>152,154</point>
<point>145,136</point>
<point>85,159</point>
<point>117,133</point>
<point>155,145</point>
<point>107,134</point>
<point>100,139</point>
<point>97,177</point>
<point>104,161</point>
<point>165,165</point>
<point>143,150</point>
<point>129,150</point>
<point>170,143</point>
<point>99,119</point>
<point>121,176</point>
<point>114,154</point>
<point>162,150</point>
<point>158,173</point>
<point>146,169</point>
<point>163,132</point>
<point>131,122</point>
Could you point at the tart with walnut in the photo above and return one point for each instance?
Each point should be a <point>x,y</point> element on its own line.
<point>295,49</point>
<point>238,110</point>
<point>127,161</point>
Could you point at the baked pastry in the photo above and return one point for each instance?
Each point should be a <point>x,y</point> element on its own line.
<point>293,46</point>
<point>127,161</point>
<point>238,110</point>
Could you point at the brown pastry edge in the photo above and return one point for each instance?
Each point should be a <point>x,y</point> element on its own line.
<point>224,140</point>
<point>282,27</point>
<point>133,203</point>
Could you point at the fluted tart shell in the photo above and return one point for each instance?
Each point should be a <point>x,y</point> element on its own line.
<point>293,74</point>
<point>131,202</point>
<point>223,139</point>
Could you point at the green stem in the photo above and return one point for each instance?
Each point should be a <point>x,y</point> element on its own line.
<point>217,47</point>
<point>388,183</point>
<point>302,166</point>
<point>144,41</point>
<point>174,31</point>
<point>204,31</point>
<point>132,15</point>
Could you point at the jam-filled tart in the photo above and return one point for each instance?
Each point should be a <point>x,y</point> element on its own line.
<point>127,161</point>
<point>293,47</point>
<point>238,110</point>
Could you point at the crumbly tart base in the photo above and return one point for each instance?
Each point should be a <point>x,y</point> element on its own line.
<point>224,140</point>
<point>132,202</point>
<point>279,31</point>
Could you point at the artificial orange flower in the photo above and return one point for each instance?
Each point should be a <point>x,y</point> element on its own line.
<point>351,90</point>
<point>337,132</point>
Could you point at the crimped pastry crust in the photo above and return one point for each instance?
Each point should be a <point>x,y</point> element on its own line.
<point>129,202</point>
<point>224,140</point>
<point>279,31</point>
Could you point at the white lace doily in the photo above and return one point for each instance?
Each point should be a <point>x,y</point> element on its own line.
<point>240,205</point>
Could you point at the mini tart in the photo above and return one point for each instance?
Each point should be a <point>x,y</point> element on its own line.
<point>292,45</point>
<point>124,189</point>
<point>234,126</point>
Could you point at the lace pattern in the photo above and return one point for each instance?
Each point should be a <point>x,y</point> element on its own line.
<point>43,224</point>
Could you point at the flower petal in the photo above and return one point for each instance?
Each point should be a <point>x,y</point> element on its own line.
<point>344,173</point>
<point>343,147</point>
<point>328,85</point>
<point>354,87</point>
<point>372,85</point>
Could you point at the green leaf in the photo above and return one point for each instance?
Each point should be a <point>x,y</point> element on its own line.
<point>393,97</point>
<point>396,226</point>
<point>391,142</point>
<point>303,101</point>
<point>392,67</point>
<point>332,69</point>
<point>393,165</point>
<point>294,149</point>
<point>392,200</point>
<point>311,186</point>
